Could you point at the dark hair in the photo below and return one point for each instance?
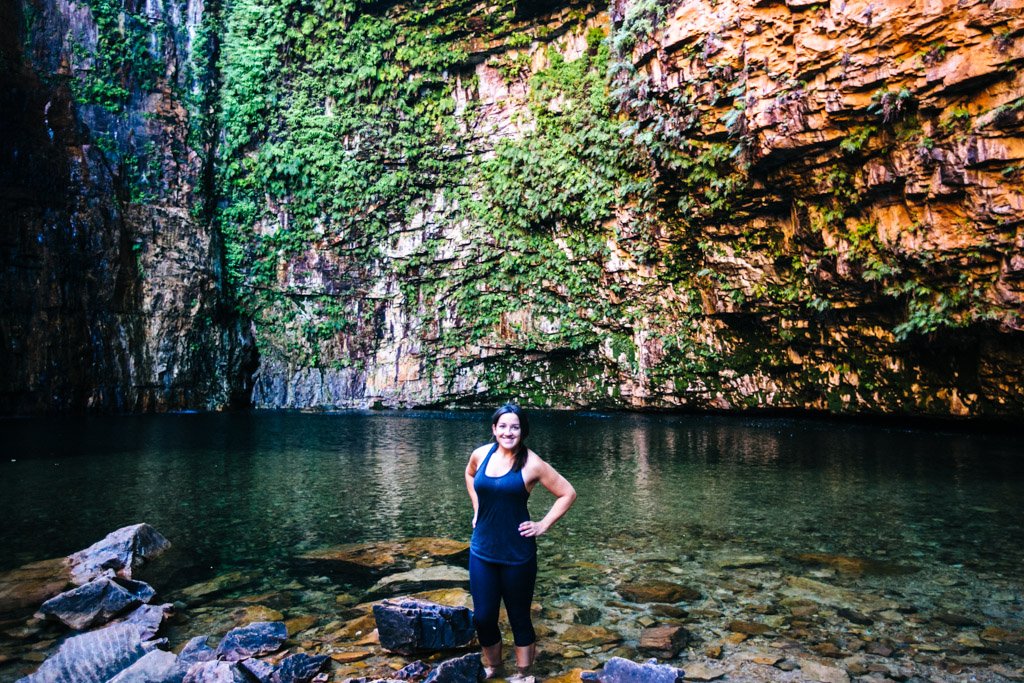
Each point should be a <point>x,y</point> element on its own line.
<point>524,431</point>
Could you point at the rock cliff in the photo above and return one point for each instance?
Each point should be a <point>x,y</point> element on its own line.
<point>729,205</point>
<point>112,294</point>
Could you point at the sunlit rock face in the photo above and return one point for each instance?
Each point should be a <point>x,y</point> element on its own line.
<point>833,222</point>
<point>112,296</point>
<point>883,188</point>
<point>728,205</point>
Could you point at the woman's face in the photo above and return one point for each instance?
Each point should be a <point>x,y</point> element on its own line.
<point>506,431</point>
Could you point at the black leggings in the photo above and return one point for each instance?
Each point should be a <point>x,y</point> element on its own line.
<point>489,583</point>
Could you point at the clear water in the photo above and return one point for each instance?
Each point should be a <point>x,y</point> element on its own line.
<point>659,497</point>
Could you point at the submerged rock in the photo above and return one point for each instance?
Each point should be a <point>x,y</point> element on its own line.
<point>822,672</point>
<point>410,626</point>
<point>656,591</point>
<point>258,638</point>
<point>589,636</point>
<point>664,641</point>
<point>856,566</point>
<point>125,551</point>
<point>96,602</point>
<point>218,584</point>
<point>386,556</point>
<point>24,588</point>
<point>422,579</point>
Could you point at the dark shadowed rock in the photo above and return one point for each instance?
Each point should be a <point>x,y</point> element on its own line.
<point>957,620</point>
<point>148,618</point>
<point>195,651</point>
<point>299,668</point>
<point>465,669</point>
<point>258,669</point>
<point>414,671</point>
<point>24,588</point>
<point>124,551</point>
<point>216,672</point>
<point>156,666</point>
<point>94,656</point>
<point>855,617</point>
<point>619,670</point>
<point>409,626</point>
<point>96,602</point>
<point>656,591</point>
<point>750,628</point>
<point>258,638</point>
<point>857,566</point>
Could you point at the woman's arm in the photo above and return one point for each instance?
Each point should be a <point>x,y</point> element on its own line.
<point>559,486</point>
<point>470,473</point>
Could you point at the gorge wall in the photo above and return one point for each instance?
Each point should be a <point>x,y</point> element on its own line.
<point>112,297</point>
<point>724,205</point>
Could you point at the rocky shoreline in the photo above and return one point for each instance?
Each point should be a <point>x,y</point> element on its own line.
<point>720,616</point>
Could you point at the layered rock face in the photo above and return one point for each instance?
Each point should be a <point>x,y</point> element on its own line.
<point>112,295</point>
<point>729,205</point>
<point>743,205</point>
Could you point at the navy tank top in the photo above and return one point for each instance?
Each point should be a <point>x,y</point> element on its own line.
<point>502,508</point>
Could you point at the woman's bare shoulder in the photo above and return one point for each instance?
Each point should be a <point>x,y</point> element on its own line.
<point>534,461</point>
<point>480,452</point>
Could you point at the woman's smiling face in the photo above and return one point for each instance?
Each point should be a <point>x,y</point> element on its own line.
<point>507,431</point>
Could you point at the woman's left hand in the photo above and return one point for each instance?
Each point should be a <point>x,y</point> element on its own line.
<point>530,529</point>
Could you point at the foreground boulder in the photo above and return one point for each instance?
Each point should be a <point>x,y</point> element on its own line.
<point>156,666</point>
<point>96,602</point>
<point>94,656</point>
<point>409,626</point>
<point>125,551</point>
<point>299,668</point>
<point>619,670</point>
<point>465,669</point>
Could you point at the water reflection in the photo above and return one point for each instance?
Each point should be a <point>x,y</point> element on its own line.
<point>257,488</point>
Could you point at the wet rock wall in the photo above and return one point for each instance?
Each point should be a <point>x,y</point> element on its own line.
<point>113,297</point>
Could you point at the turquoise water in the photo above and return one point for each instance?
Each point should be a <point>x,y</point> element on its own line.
<point>254,488</point>
<point>934,516</point>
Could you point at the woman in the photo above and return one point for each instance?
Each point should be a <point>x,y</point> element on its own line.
<point>503,552</point>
